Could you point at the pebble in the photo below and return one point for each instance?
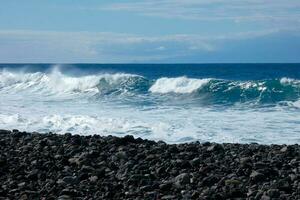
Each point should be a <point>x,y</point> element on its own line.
<point>65,167</point>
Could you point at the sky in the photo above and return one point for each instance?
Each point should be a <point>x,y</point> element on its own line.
<point>150,31</point>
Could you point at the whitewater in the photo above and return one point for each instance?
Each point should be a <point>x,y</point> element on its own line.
<point>174,105</point>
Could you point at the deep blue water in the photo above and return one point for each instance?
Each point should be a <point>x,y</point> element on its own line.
<point>172,102</point>
<point>154,71</point>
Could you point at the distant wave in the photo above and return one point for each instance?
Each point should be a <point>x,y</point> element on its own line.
<point>209,89</point>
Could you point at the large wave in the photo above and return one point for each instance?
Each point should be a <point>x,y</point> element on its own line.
<point>56,82</point>
<point>208,89</point>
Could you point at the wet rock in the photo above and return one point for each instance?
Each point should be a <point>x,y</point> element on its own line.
<point>215,148</point>
<point>4,131</point>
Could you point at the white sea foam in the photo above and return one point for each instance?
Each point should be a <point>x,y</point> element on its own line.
<point>177,85</point>
<point>289,81</point>
<point>58,83</point>
<point>171,125</point>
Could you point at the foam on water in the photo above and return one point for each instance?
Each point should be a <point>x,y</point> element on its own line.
<point>170,125</point>
<point>173,109</point>
<point>177,85</point>
<point>58,83</point>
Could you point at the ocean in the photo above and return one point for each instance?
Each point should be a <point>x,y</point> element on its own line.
<point>225,103</point>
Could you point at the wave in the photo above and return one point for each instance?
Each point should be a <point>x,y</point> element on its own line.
<point>230,91</point>
<point>58,83</point>
<point>207,89</point>
<point>260,91</point>
<point>177,85</point>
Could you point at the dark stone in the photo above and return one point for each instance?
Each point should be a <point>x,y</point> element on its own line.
<point>51,166</point>
<point>246,162</point>
<point>165,186</point>
<point>273,193</point>
<point>169,197</point>
<point>4,131</point>
<point>215,148</point>
<point>69,180</point>
<point>257,177</point>
<point>64,197</point>
<point>182,179</point>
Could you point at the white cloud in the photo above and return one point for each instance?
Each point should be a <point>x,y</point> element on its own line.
<point>211,10</point>
<point>51,46</point>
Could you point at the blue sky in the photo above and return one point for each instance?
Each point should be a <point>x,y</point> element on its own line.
<point>149,31</point>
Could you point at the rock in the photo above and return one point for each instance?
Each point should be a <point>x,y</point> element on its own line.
<point>165,186</point>
<point>284,149</point>
<point>195,195</point>
<point>182,179</point>
<point>265,197</point>
<point>83,176</point>
<point>33,175</point>
<point>125,140</point>
<point>284,185</point>
<point>121,155</point>
<point>64,197</point>
<point>195,162</point>
<point>232,182</point>
<point>24,197</point>
<point>257,177</point>
<point>273,193</point>
<point>4,131</point>
<point>146,188</point>
<point>21,185</point>
<point>151,195</point>
<point>93,179</point>
<point>67,180</point>
<point>246,162</point>
<point>169,197</point>
<point>51,166</point>
<point>3,162</point>
<point>215,148</point>
<point>209,180</point>
<point>87,169</point>
<point>74,161</point>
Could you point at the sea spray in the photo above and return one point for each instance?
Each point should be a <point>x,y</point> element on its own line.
<point>175,103</point>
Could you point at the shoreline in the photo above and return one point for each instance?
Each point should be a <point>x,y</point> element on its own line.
<point>52,166</point>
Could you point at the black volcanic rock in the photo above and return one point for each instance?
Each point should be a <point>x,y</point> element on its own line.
<point>50,166</point>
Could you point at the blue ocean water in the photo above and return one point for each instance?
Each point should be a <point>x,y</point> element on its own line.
<point>172,102</point>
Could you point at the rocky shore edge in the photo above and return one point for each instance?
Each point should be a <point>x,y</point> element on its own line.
<point>52,166</point>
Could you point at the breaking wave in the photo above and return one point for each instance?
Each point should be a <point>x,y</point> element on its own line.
<point>177,85</point>
<point>58,83</point>
<point>208,89</point>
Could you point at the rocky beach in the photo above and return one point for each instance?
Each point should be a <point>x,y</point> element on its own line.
<point>52,166</point>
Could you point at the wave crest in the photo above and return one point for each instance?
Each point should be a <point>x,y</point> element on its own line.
<point>208,90</point>
<point>177,85</point>
<point>58,83</point>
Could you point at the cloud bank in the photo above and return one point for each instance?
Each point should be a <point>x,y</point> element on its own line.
<point>103,47</point>
<point>274,11</point>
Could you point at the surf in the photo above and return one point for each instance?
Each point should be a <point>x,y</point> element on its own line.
<point>210,90</point>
